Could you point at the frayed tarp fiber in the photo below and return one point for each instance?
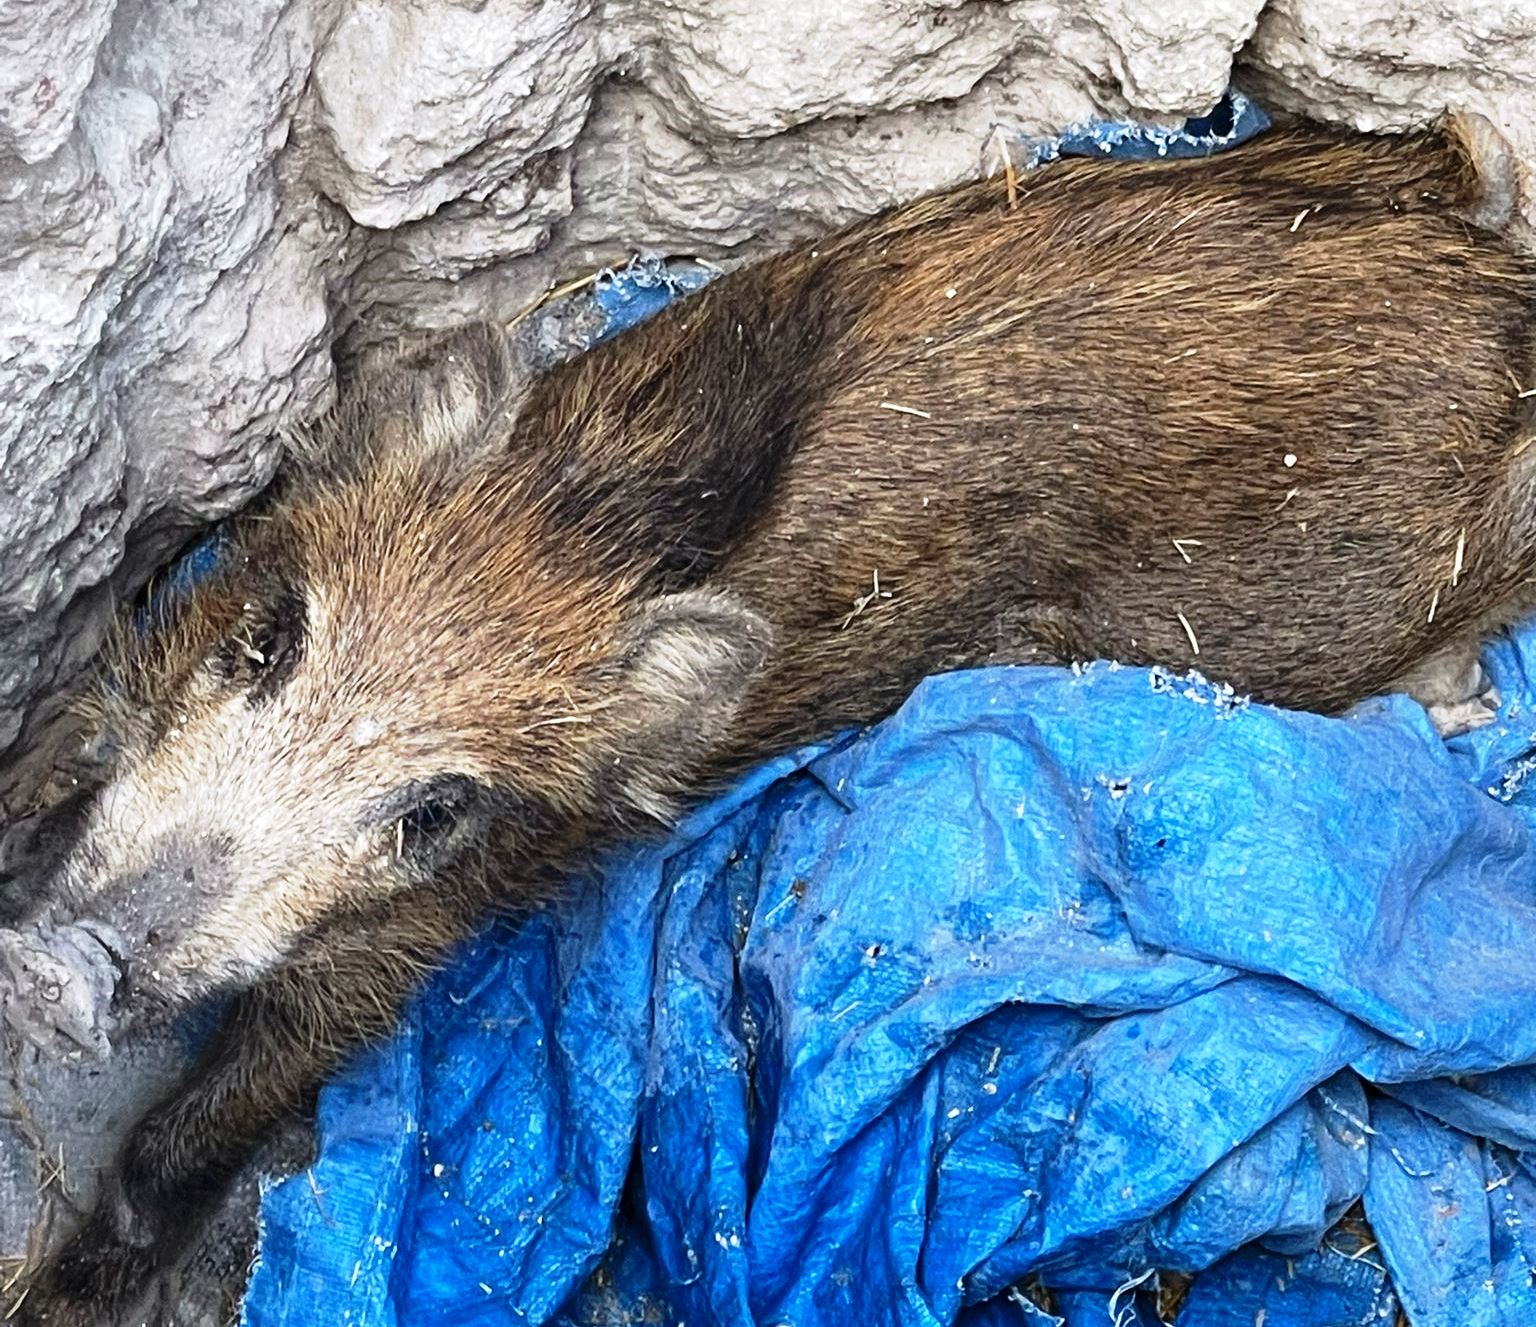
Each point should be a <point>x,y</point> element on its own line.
<point>1055,977</point>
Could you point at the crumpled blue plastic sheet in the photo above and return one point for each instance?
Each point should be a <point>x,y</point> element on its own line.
<point>1056,978</point>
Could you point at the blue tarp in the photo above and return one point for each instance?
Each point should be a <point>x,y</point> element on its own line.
<point>1057,976</point>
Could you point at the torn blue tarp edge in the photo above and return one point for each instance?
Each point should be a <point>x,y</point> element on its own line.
<point>1233,120</point>
<point>630,294</point>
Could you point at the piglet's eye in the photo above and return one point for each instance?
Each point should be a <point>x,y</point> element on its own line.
<point>269,647</point>
<point>263,654</point>
<point>423,824</point>
<point>422,817</point>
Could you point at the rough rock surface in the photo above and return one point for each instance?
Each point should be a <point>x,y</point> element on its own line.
<point>199,201</point>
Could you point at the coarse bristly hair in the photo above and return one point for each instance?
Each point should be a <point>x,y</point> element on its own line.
<point>1262,411</point>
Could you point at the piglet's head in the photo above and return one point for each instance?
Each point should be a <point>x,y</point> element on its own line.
<point>403,676</point>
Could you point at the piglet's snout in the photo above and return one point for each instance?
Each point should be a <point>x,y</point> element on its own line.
<point>153,907</point>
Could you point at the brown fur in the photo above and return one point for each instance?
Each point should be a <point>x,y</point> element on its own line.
<point>666,568</point>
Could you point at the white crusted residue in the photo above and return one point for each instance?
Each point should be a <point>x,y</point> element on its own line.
<point>1195,686</point>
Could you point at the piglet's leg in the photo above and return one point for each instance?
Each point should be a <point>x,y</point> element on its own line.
<point>268,1059</point>
<point>1455,688</point>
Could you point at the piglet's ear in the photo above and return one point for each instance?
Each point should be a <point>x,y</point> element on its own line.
<point>445,396</point>
<point>688,661</point>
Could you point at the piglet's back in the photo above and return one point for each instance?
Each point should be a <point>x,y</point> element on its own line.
<point>1250,406</point>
